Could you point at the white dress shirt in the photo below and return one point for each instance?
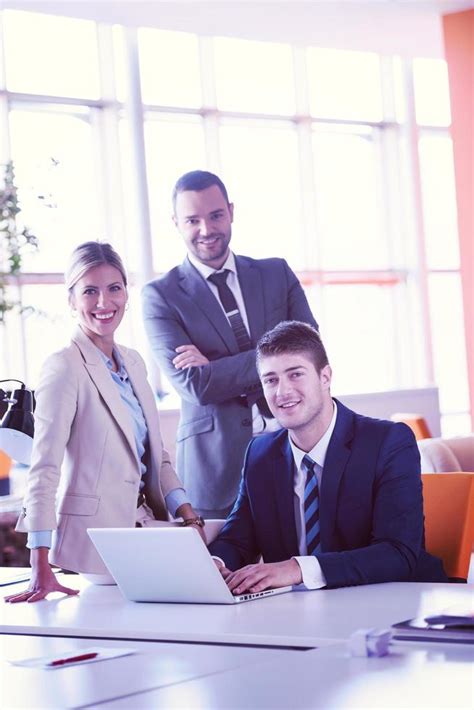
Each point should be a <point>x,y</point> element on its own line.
<point>313,577</point>
<point>259,423</point>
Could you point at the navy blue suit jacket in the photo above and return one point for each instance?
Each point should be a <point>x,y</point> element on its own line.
<point>371,507</point>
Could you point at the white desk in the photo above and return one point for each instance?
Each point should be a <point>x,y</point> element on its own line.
<point>11,575</point>
<point>414,677</point>
<point>155,665</point>
<point>297,619</point>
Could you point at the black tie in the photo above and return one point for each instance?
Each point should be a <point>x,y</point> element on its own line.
<point>231,309</point>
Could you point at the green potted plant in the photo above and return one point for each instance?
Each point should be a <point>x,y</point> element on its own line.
<point>15,239</point>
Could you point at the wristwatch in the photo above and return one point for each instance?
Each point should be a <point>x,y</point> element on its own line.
<point>199,521</point>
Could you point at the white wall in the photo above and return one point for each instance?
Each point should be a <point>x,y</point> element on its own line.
<point>407,28</point>
<point>382,405</point>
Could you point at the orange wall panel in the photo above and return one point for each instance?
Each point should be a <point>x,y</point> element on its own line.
<point>458,30</point>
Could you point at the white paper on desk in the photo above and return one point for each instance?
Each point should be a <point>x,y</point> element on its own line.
<point>103,654</point>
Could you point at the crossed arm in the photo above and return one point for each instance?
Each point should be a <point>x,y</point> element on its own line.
<point>196,377</point>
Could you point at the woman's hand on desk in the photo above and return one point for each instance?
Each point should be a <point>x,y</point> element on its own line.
<point>43,581</point>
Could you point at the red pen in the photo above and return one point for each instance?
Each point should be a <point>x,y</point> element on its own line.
<point>73,659</point>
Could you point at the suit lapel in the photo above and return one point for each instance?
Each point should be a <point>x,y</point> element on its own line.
<point>193,284</point>
<point>283,478</point>
<point>252,290</point>
<point>106,387</point>
<point>335,463</point>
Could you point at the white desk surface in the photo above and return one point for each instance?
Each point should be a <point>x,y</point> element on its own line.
<point>296,619</point>
<point>11,575</point>
<point>440,676</point>
<point>154,665</point>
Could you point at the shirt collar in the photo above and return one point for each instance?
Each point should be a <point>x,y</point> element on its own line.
<point>206,270</point>
<point>108,361</point>
<point>318,452</point>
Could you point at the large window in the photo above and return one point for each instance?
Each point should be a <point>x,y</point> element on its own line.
<point>441,242</point>
<point>56,168</point>
<point>328,160</point>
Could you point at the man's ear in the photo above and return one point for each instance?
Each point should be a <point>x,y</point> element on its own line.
<point>326,376</point>
<point>173,217</point>
<point>231,210</point>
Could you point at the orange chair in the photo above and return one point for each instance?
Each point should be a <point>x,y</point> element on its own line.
<point>416,423</point>
<point>448,501</point>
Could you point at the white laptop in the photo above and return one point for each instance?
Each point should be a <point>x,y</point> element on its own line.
<point>165,564</point>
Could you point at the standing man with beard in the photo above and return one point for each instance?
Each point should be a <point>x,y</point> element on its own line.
<point>203,320</point>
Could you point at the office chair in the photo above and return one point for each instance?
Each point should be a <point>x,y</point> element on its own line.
<point>416,423</point>
<point>440,455</point>
<point>448,501</point>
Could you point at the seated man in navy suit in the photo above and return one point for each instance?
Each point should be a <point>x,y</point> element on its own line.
<point>331,500</point>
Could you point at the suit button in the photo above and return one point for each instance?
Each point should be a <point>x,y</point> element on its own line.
<point>246,422</point>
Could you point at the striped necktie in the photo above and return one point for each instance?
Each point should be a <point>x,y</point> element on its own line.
<point>311,507</point>
<point>231,309</point>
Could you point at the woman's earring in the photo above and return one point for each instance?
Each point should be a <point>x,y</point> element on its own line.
<point>73,313</point>
<point>127,305</point>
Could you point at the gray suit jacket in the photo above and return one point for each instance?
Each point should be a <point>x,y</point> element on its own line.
<point>216,419</point>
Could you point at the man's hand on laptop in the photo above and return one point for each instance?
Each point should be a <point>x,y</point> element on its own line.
<point>221,567</point>
<point>257,578</point>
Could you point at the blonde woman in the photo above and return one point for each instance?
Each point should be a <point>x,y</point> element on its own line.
<point>98,459</point>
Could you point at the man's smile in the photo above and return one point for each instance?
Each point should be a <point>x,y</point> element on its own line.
<point>289,405</point>
<point>208,241</point>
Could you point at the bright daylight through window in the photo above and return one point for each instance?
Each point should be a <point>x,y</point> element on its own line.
<point>312,144</point>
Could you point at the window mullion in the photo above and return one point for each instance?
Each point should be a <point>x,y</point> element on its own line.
<point>309,244</point>
<point>135,123</point>
<point>414,225</point>
<point>209,104</point>
<point>106,129</point>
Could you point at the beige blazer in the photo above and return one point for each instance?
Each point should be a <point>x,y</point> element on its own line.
<point>85,471</point>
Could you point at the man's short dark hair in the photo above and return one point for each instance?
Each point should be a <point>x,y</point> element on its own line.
<point>198,180</point>
<point>292,336</point>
